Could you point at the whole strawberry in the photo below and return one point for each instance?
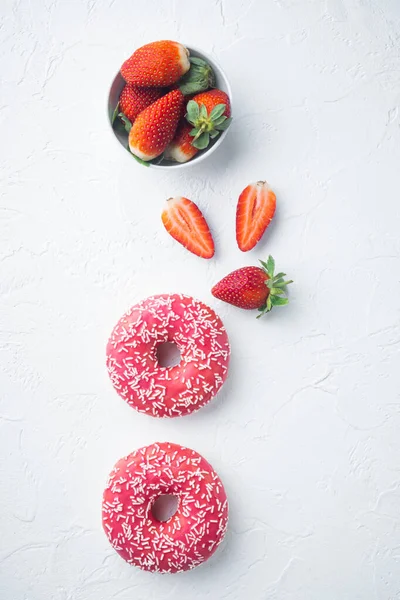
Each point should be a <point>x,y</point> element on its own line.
<point>209,113</point>
<point>212,98</point>
<point>157,64</point>
<point>181,148</point>
<point>253,288</point>
<point>155,126</point>
<point>135,99</point>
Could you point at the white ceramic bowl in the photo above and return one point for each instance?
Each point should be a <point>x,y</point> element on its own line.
<point>221,82</point>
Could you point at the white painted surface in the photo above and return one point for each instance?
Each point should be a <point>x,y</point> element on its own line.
<point>306,432</point>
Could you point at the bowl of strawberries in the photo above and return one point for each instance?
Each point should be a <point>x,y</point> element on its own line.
<point>169,106</point>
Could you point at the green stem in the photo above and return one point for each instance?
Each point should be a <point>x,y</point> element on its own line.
<point>201,130</point>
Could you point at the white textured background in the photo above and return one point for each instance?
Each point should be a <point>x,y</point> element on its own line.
<point>306,433</point>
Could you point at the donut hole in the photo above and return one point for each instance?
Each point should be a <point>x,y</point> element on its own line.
<point>168,354</point>
<point>164,507</point>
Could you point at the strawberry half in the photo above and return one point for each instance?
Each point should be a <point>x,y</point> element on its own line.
<point>255,209</point>
<point>181,149</point>
<point>135,99</point>
<point>209,113</point>
<point>253,288</point>
<point>157,64</point>
<point>155,126</point>
<point>185,223</point>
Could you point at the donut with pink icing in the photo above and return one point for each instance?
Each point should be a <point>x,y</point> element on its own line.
<point>186,539</point>
<point>134,368</point>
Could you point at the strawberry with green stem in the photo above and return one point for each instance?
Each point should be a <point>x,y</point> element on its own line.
<point>254,288</point>
<point>209,113</point>
<point>165,63</point>
<point>157,64</point>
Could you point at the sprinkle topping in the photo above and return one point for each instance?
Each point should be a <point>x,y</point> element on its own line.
<point>168,391</point>
<point>190,536</point>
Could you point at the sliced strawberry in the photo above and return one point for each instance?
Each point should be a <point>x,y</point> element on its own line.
<point>255,209</point>
<point>185,223</point>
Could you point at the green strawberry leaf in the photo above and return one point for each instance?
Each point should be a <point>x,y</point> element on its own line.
<point>219,120</point>
<point>281,283</point>
<point>224,125</point>
<point>199,78</point>
<point>194,132</point>
<point>214,134</point>
<point>139,160</point>
<point>203,112</point>
<point>202,141</point>
<point>197,61</point>
<point>217,111</point>
<point>115,114</point>
<point>273,282</point>
<point>270,266</point>
<point>278,301</point>
<point>126,121</point>
<point>193,111</point>
<point>142,162</point>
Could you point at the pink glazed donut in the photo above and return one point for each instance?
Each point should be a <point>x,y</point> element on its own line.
<point>168,391</point>
<point>191,535</point>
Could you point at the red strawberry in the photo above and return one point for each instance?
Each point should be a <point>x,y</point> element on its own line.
<point>209,113</point>
<point>181,149</point>
<point>135,99</point>
<point>157,64</point>
<point>253,287</point>
<point>185,223</point>
<point>212,98</point>
<point>155,126</point>
<point>255,209</point>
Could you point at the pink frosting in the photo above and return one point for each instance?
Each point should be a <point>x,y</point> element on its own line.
<point>190,536</point>
<point>168,391</point>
